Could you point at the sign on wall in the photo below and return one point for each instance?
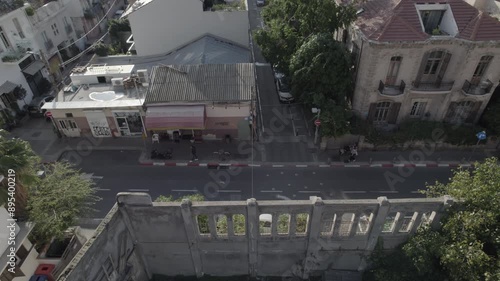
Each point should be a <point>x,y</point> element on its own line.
<point>98,124</point>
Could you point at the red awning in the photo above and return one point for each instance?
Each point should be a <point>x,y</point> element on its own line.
<point>175,117</point>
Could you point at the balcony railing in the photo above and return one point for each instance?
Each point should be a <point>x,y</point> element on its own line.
<point>433,86</point>
<point>478,90</point>
<point>49,44</point>
<point>388,90</point>
<point>69,29</point>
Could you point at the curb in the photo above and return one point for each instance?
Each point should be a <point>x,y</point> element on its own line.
<point>308,165</point>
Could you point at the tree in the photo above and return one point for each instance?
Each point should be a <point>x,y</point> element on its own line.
<point>58,200</point>
<point>115,26</point>
<point>20,93</point>
<point>16,155</point>
<point>289,23</point>
<point>467,247</point>
<point>101,49</point>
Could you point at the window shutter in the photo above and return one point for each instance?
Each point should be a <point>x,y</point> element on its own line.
<point>420,72</point>
<point>442,69</point>
<point>451,111</point>
<point>393,113</point>
<point>371,112</point>
<point>473,113</point>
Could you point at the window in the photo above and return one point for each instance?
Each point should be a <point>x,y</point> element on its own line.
<point>463,111</point>
<point>69,115</point>
<point>44,36</point>
<point>381,111</point>
<point>481,69</point>
<point>65,19</point>
<point>67,124</point>
<point>4,38</point>
<point>18,27</point>
<point>418,108</point>
<point>392,73</point>
<point>433,62</point>
<point>54,29</point>
<point>431,20</point>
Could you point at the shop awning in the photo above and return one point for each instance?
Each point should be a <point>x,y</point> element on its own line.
<point>34,68</point>
<point>7,87</point>
<point>175,117</point>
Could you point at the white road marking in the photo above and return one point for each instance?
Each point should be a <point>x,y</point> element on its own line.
<point>309,191</point>
<point>320,183</point>
<point>253,165</point>
<point>138,190</point>
<point>301,166</point>
<point>324,166</point>
<point>399,165</point>
<point>354,191</point>
<point>351,166</point>
<point>227,191</point>
<point>184,190</point>
<point>283,197</point>
<point>271,191</point>
<point>420,165</point>
<point>385,191</point>
<point>278,166</point>
<point>181,164</point>
<point>158,163</point>
<point>203,164</point>
<point>103,189</point>
<point>98,177</point>
<point>376,165</point>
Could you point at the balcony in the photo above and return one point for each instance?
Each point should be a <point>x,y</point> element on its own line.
<point>387,90</point>
<point>437,87</point>
<point>49,45</point>
<point>477,90</point>
<point>69,29</point>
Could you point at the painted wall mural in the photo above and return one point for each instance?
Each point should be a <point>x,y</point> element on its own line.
<point>98,124</point>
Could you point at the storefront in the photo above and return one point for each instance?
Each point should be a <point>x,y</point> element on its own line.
<point>128,123</point>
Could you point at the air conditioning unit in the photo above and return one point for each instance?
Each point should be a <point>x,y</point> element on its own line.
<point>143,76</point>
<point>117,81</point>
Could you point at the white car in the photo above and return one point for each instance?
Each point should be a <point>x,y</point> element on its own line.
<point>283,88</point>
<point>261,3</point>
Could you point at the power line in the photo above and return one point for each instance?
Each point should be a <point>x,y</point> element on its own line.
<point>84,51</point>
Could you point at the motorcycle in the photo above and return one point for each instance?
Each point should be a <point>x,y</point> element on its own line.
<point>352,150</point>
<point>155,154</point>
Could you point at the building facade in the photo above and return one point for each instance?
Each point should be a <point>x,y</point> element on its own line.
<point>204,101</point>
<point>186,21</point>
<point>434,61</point>
<point>102,101</point>
<point>246,238</point>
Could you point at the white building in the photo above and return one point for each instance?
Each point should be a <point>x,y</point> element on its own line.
<point>25,256</point>
<point>160,26</point>
<point>435,61</point>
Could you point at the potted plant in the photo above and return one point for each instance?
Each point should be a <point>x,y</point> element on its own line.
<point>29,11</point>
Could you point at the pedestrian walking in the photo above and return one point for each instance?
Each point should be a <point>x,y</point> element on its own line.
<point>193,154</point>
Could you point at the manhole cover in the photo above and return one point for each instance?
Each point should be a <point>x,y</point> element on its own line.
<point>36,134</point>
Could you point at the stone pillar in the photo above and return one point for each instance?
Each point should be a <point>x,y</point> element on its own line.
<point>376,228</point>
<point>252,235</point>
<point>191,231</point>
<point>313,244</point>
<point>436,221</point>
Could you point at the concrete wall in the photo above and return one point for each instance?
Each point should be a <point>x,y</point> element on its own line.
<point>339,233</point>
<point>374,65</point>
<point>12,73</point>
<point>179,22</point>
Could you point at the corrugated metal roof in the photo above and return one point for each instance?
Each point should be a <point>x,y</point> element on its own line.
<point>202,82</point>
<point>398,20</point>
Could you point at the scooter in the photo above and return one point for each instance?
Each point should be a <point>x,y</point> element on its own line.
<point>155,154</point>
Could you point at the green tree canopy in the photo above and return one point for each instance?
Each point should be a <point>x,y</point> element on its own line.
<point>491,117</point>
<point>58,200</point>
<point>467,247</point>
<point>289,23</point>
<point>116,26</point>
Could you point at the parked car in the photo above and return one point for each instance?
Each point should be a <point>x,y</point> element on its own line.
<point>283,87</point>
<point>276,73</point>
<point>261,3</point>
<point>35,107</point>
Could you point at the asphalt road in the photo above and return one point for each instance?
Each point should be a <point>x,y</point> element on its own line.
<point>115,171</point>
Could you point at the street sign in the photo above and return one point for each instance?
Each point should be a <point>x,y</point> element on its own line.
<point>481,135</point>
<point>317,122</point>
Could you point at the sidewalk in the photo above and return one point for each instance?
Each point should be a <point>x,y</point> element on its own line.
<point>281,152</point>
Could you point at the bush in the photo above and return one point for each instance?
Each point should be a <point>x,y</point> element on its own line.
<point>101,49</point>
<point>9,59</point>
<point>30,11</point>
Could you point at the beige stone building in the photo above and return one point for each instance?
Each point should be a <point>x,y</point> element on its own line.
<point>433,61</point>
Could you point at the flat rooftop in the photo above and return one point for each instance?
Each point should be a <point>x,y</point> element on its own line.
<point>102,69</point>
<point>98,95</point>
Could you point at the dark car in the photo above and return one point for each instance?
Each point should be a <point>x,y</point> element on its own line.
<point>35,107</point>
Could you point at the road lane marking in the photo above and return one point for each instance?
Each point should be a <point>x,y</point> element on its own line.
<point>443,165</point>
<point>158,163</point>
<point>181,164</point>
<point>324,166</point>
<point>138,189</point>
<point>354,191</point>
<point>272,191</point>
<point>301,166</point>
<point>223,190</point>
<point>253,165</point>
<point>184,190</point>
<point>385,191</point>
<point>103,189</point>
<point>309,191</point>
<point>420,165</point>
<point>262,64</point>
<point>278,166</point>
<point>352,166</point>
<point>203,164</point>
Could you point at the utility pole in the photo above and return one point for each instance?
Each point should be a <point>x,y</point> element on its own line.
<point>318,111</point>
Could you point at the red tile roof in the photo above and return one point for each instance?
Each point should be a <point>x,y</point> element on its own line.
<point>398,20</point>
